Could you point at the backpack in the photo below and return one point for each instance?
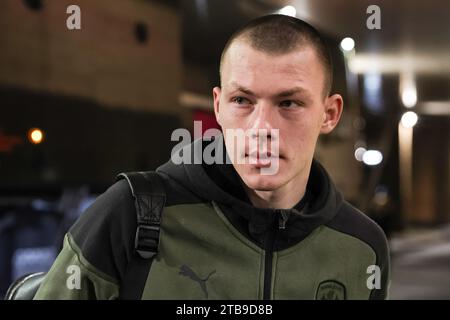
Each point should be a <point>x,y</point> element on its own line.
<point>149,196</point>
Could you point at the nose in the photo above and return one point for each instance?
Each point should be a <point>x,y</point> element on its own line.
<point>263,122</point>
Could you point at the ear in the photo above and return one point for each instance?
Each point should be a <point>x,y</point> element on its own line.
<point>216,96</point>
<point>333,110</point>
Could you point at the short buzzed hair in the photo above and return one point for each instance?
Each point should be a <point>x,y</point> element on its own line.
<point>279,34</point>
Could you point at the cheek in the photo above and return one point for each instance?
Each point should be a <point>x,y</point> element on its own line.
<point>300,138</point>
<point>232,118</point>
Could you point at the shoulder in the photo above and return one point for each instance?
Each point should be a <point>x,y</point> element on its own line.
<point>355,223</point>
<point>110,207</point>
<point>177,192</point>
<point>105,232</point>
<point>351,221</point>
<point>115,208</point>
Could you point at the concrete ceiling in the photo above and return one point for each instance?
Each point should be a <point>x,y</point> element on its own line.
<point>414,33</point>
<point>414,37</point>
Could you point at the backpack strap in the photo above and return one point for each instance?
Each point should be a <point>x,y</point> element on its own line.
<point>149,199</point>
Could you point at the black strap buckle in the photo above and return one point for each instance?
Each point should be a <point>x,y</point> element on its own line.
<point>146,241</point>
<point>148,192</point>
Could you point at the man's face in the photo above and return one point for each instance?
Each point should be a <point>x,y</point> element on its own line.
<point>262,91</point>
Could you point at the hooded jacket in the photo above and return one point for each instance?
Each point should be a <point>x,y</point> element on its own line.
<point>214,244</point>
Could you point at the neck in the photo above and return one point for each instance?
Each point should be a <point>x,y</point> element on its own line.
<point>285,197</point>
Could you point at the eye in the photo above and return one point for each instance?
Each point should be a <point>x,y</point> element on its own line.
<point>290,104</point>
<point>240,100</point>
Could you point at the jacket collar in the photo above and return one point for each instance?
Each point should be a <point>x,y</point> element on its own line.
<point>221,183</point>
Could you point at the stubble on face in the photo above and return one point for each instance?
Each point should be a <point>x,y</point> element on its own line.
<point>260,77</point>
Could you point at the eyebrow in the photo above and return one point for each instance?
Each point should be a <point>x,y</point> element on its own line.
<point>238,87</point>
<point>282,94</point>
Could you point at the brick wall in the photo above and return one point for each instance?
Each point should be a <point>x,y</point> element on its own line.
<point>102,61</point>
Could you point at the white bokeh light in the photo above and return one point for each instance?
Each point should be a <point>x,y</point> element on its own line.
<point>347,44</point>
<point>372,157</point>
<point>359,152</point>
<point>409,97</point>
<point>408,89</point>
<point>409,119</point>
<point>288,11</point>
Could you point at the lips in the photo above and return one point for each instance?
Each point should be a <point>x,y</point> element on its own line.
<point>261,159</point>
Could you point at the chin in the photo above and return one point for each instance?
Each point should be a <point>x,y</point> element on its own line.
<point>257,181</point>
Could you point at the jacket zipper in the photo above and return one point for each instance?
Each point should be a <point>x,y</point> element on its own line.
<point>269,249</point>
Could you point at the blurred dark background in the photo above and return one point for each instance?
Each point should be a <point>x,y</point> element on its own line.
<point>79,106</point>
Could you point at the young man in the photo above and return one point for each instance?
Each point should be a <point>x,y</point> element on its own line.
<point>229,231</point>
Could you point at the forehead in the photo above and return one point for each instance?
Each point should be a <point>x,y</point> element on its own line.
<point>251,67</point>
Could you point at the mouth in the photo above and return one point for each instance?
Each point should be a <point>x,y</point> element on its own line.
<point>261,159</point>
